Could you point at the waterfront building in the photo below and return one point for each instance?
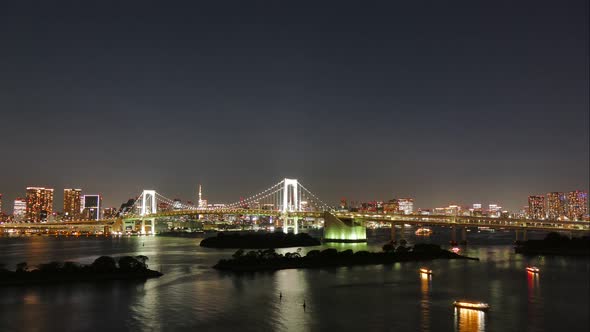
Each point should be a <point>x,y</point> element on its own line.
<point>556,205</point>
<point>201,203</point>
<point>72,204</point>
<point>577,204</point>
<point>536,207</point>
<point>391,206</point>
<point>476,209</point>
<point>494,210</point>
<point>439,211</point>
<point>20,209</point>
<point>452,210</point>
<point>39,202</point>
<point>177,204</point>
<point>406,205</point>
<point>109,213</point>
<point>91,205</point>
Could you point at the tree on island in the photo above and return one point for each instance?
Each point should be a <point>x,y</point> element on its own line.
<point>143,260</point>
<point>22,267</point>
<point>104,264</point>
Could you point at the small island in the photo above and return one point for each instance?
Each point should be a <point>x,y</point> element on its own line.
<point>555,244</point>
<point>259,240</point>
<point>269,260</point>
<point>103,268</point>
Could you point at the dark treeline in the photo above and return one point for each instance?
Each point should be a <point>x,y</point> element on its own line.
<point>259,240</point>
<point>556,244</point>
<point>103,268</point>
<point>269,259</point>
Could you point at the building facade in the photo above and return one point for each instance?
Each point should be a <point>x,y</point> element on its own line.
<point>20,209</point>
<point>556,205</point>
<point>406,205</point>
<point>91,205</point>
<point>39,204</point>
<point>536,207</point>
<point>577,204</point>
<point>72,204</point>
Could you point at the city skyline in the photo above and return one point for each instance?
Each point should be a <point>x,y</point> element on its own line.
<point>441,103</point>
<point>542,202</point>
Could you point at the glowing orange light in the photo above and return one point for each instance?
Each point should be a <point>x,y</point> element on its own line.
<point>471,305</point>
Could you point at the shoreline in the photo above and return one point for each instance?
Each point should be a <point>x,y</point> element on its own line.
<point>269,260</point>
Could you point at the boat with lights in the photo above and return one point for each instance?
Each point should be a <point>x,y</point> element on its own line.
<point>471,305</point>
<point>425,271</point>
<point>424,231</point>
<point>533,269</point>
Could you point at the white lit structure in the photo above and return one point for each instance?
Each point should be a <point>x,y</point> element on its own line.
<point>406,205</point>
<point>291,201</point>
<point>91,205</point>
<point>201,203</point>
<point>494,210</point>
<point>20,209</point>
<point>148,202</point>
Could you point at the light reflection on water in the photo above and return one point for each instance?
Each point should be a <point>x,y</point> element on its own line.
<point>425,280</point>
<point>192,296</point>
<point>469,320</point>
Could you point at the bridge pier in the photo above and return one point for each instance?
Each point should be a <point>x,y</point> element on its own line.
<point>464,236</point>
<point>516,235</point>
<point>453,235</point>
<point>524,235</point>
<point>286,224</point>
<point>393,239</point>
<point>152,224</point>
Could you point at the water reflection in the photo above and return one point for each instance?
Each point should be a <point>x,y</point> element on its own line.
<point>425,280</point>
<point>535,302</point>
<point>469,320</point>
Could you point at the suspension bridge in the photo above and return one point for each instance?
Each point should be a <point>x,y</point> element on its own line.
<point>286,203</point>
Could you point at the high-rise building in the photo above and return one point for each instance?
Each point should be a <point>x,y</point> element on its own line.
<point>109,213</point>
<point>91,205</point>
<point>452,210</point>
<point>39,204</point>
<point>476,210</point>
<point>577,204</point>
<point>391,206</point>
<point>72,204</point>
<point>494,210</point>
<point>556,205</point>
<point>536,207</point>
<point>406,205</point>
<point>20,209</point>
<point>0,203</point>
<point>201,203</point>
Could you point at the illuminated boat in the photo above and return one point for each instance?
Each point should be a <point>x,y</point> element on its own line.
<point>423,231</point>
<point>472,305</point>
<point>425,271</point>
<point>455,249</point>
<point>533,269</point>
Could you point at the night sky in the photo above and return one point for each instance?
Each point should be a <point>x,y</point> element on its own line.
<point>474,101</point>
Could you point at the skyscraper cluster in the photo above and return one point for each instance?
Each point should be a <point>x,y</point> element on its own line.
<point>559,206</point>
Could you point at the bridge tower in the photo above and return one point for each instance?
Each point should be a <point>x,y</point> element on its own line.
<point>148,206</point>
<point>148,202</point>
<point>291,202</point>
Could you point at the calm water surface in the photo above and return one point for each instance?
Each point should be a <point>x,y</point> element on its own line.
<point>192,296</point>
